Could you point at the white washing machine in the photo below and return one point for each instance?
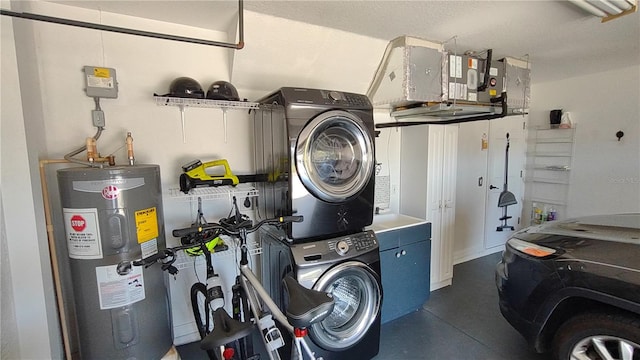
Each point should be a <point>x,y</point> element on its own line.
<point>316,150</point>
<point>348,267</point>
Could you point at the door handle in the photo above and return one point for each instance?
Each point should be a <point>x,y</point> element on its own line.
<point>491,187</point>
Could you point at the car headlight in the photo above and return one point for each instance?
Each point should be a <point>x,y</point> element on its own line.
<point>531,248</point>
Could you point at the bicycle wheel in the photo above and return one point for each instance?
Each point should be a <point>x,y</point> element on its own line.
<point>201,315</point>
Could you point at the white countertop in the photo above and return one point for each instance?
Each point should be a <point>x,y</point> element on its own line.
<point>386,222</point>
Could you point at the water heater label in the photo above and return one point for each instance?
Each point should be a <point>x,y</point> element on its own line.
<point>83,233</point>
<point>109,187</point>
<point>146,224</point>
<point>116,290</point>
<point>149,248</point>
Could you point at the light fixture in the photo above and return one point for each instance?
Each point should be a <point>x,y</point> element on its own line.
<point>607,9</point>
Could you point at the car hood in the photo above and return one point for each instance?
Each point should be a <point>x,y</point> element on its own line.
<point>612,240</point>
<point>619,228</point>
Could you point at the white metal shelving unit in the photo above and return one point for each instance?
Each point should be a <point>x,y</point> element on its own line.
<point>212,193</point>
<point>548,171</point>
<point>184,261</point>
<point>204,103</point>
<point>182,103</point>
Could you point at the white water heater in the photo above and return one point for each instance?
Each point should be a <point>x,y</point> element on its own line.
<point>112,216</point>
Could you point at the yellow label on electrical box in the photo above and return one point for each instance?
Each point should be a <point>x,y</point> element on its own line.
<point>493,92</point>
<point>101,72</point>
<point>146,224</point>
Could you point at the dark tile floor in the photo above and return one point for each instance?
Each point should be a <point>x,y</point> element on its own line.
<point>461,321</point>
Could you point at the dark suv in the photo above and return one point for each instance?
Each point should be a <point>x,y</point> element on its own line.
<point>573,287</point>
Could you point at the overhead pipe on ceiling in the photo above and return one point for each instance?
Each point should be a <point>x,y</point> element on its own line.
<point>121,30</point>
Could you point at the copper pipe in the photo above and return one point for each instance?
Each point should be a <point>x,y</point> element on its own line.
<point>129,141</point>
<point>91,149</point>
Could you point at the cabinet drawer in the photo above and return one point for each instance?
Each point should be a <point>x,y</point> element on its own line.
<point>403,236</point>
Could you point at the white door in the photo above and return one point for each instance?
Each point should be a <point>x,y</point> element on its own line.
<point>471,190</point>
<point>498,128</point>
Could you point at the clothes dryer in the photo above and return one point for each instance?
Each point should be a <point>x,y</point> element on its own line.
<point>348,267</point>
<point>317,149</point>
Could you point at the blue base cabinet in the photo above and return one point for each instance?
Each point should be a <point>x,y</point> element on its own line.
<point>405,261</point>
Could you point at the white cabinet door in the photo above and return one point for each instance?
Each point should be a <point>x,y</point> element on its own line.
<point>514,125</point>
<point>448,210</point>
<point>428,186</point>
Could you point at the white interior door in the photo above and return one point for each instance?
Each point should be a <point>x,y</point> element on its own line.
<point>498,128</point>
<point>471,187</point>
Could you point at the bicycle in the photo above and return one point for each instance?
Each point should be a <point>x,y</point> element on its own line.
<point>205,297</point>
<point>305,306</point>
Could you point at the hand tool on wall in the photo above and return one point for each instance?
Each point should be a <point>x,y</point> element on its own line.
<point>196,173</point>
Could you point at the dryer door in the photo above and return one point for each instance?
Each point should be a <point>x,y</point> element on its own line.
<point>357,293</point>
<point>334,156</point>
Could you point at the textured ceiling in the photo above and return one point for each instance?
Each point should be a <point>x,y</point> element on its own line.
<point>560,39</point>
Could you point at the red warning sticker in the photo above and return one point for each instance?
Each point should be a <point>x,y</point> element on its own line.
<point>83,233</point>
<point>78,223</point>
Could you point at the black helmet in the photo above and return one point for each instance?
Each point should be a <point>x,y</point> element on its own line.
<point>186,87</point>
<point>222,90</point>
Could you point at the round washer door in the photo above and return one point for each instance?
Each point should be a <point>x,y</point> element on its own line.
<point>357,294</point>
<point>334,156</point>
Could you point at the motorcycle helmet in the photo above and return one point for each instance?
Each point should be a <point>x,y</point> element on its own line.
<point>222,90</point>
<point>186,87</point>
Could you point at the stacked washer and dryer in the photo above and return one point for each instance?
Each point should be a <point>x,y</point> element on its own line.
<point>316,149</point>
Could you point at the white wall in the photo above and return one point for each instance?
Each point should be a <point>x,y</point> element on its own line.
<point>27,303</point>
<point>281,52</point>
<point>605,175</point>
<point>57,119</point>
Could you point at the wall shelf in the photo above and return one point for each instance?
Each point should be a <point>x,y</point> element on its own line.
<point>549,181</point>
<point>548,201</point>
<point>551,154</point>
<point>212,193</point>
<point>184,261</point>
<point>204,103</point>
<point>182,103</point>
<point>549,162</point>
<point>553,168</point>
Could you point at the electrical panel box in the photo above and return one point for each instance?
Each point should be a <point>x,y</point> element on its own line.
<point>100,82</point>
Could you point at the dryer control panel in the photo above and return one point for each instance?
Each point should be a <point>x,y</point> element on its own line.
<point>324,97</point>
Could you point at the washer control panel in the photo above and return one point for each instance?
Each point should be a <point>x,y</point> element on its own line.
<point>342,247</point>
<point>360,242</point>
<point>330,250</point>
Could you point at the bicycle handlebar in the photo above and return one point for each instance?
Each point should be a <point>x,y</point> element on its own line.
<point>234,229</point>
